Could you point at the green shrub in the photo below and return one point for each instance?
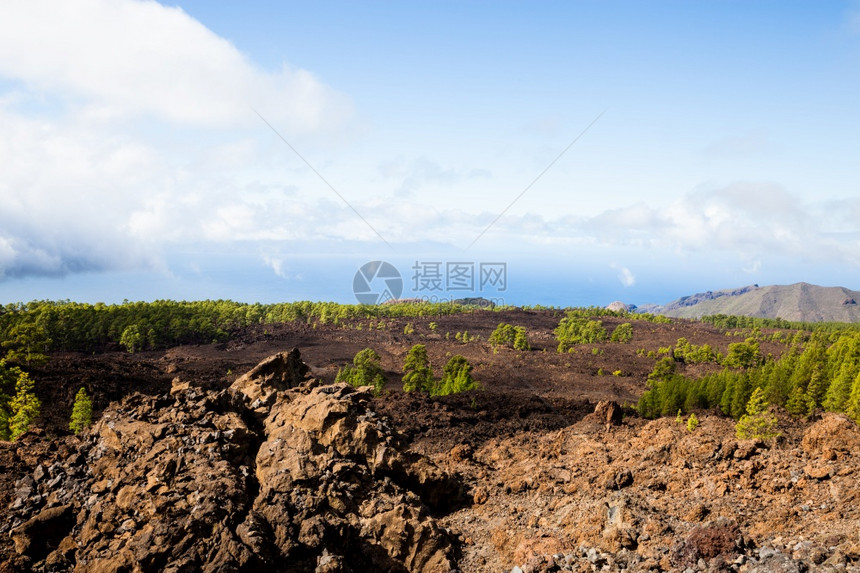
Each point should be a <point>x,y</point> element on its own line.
<point>623,333</point>
<point>573,330</point>
<point>692,422</point>
<point>24,407</point>
<point>743,354</point>
<point>692,354</point>
<point>511,336</point>
<point>365,371</point>
<point>758,423</point>
<point>456,377</point>
<point>417,372</point>
<point>82,412</point>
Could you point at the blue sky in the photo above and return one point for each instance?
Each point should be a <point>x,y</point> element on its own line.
<point>134,164</point>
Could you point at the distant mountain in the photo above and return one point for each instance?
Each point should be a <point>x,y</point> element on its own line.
<point>798,302</point>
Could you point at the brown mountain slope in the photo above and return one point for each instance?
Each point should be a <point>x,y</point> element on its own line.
<point>797,302</point>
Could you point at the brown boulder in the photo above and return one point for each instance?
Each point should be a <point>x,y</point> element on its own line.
<point>721,538</point>
<point>280,371</point>
<point>43,533</point>
<point>609,412</point>
<point>834,435</point>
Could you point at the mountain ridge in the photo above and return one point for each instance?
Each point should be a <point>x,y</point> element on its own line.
<point>799,302</point>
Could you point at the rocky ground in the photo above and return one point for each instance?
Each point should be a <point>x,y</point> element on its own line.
<point>280,469</point>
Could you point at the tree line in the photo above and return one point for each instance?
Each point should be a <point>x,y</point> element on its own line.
<point>33,329</point>
<point>821,371</point>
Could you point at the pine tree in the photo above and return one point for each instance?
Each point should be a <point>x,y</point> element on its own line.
<point>25,406</point>
<point>623,333</point>
<point>758,423</point>
<point>365,371</point>
<point>456,377</point>
<point>131,338</point>
<point>742,391</point>
<point>521,340</point>
<point>417,372</point>
<point>839,389</point>
<point>852,407</point>
<point>799,402</point>
<point>82,412</point>
<point>28,344</point>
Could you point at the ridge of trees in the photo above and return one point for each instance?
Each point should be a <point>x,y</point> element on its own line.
<point>28,331</point>
<point>818,372</point>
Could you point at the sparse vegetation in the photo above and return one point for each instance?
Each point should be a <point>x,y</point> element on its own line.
<point>365,371</point>
<point>510,336</point>
<point>693,354</point>
<point>758,423</point>
<point>692,422</point>
<point>19,406</point>
<point>456,377</point>
<point>82,412</point>
<point>417,372</point>
<point>574,329</point>
<point>623,333</point>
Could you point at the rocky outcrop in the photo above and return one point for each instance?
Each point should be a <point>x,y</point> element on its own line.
<point>618,306</point>
<point>281,371</point>
<point>832,437</point>
<point>609,412</point>
<point>218,481</point>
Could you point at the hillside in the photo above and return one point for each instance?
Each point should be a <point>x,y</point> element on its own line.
<point>246,455</point>
<point>800,302</point>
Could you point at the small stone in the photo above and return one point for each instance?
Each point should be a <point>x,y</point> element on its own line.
<point>817,472</point>
<point>697,513</point>
<point>39,473</point>
<point>480,495</point>
<point>623,479</point>
<point>765,552</point>
<point>461,453</point>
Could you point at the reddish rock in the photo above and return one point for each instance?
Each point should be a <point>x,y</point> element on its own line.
<point>833,435</point>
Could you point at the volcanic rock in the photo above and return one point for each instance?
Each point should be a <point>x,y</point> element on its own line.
<point>196,481</point>
<point>835,435</point>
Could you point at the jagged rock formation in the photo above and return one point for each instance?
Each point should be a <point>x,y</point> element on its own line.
<point>275,474</point>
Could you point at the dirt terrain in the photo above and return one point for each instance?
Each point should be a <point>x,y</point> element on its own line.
<point>194,466</point>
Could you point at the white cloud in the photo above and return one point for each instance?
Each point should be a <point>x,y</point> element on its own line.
<point>103,163</point>
<point>624,275</point>
<point>121,59</point>
<point>87,183</point>
<point>277,264</point>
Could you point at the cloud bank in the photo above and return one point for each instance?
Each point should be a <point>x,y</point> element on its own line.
<point>128,130</point>
<point>97,99</point>
<point>122,59</point>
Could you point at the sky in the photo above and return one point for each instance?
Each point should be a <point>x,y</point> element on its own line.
<point>558,153</point>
